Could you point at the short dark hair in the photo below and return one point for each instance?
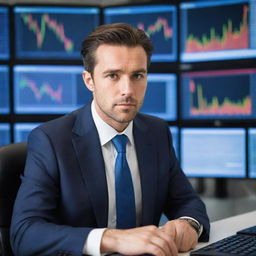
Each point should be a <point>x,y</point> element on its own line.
<point>113,34</point>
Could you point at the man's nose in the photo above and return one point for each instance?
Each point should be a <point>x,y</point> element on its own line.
<point>126,87</point>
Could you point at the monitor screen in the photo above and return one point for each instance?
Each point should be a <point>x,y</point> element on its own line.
<point>4,89</point>
<point>49,89</point>
<point>226,94</point>
<point>4,33</point>
<point>52,32</point>
<point>213,152</point>
<point>175,139</point>
<point>5,137</point>
<point>218,30</point>
<point>158,21</point>
<point>22,130</point>
<point>252,153</point>
<point>160,98</point>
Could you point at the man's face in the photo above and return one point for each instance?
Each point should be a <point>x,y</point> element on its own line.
<point>119,83</point>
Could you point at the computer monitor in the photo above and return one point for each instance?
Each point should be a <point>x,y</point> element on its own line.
<point>22,130</point>
<point>4,89</point>
<point>158,21</point>
<point>252,152</point>
<point>5,137</point>
<point>4,33</point>
<point>224,94</point>
<point>175,139</point>
<point>49,89</point>
<point>52,32</point>
<point>160,98</point>
<point>213,152</point>
<point>218,30</point>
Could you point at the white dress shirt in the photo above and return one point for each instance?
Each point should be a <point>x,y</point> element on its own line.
<point>106,134</point>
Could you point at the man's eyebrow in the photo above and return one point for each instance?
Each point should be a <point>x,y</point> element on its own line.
<point>112,71</point>
<point>142,70</point>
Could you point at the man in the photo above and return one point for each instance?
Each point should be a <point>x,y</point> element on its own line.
<point>69,202</point>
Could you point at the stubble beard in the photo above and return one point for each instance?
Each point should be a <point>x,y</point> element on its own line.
<point>116,116</point>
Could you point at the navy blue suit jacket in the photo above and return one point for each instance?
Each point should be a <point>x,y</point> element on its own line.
<point>63,194</point>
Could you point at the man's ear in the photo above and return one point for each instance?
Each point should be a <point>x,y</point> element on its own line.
<point>88,80</point>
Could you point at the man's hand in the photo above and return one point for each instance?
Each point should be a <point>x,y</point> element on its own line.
<point>185,237</point>
<point>143,240</point>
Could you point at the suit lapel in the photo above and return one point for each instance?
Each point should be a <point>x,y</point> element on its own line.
<point>147,160</point>
<point>88,150</point>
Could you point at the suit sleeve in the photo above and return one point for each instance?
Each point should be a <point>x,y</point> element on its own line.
<point>35,227</point>
<point>183,200</point>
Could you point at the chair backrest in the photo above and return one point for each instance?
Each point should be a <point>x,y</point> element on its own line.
<point>12,163</point>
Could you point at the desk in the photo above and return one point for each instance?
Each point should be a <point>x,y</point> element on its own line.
<point>227,227</point>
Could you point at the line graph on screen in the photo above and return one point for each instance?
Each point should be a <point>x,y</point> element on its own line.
<point>161,24</point>
<point>40,90</point>
<point>158,21</point>
<point>40,30</point>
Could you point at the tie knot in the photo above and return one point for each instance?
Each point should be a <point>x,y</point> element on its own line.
<point>120,142</point>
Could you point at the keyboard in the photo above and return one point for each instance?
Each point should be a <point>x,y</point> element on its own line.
<point>243,243</point>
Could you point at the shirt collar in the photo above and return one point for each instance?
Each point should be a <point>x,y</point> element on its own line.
<point>105,131</point>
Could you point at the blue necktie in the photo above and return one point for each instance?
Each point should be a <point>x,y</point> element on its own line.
<point>125,201</point>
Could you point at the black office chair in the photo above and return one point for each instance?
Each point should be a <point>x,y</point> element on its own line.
<point>12,162</point>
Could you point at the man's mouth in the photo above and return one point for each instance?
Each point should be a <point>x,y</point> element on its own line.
<point>126,104</point>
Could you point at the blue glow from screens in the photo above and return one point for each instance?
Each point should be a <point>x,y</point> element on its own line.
<point>5,134</point>
<point>22,130</point>
<point>49,89</point>
<point>4,33</point>
<point>52,32</point>
<point>160,98</point>
<point>252,153</point>
<point>228,30</point>
<point>4,90</point>
<point>159,22</point>
<point>225,94</point>
<point>175,139</point>
<point>213,152</point>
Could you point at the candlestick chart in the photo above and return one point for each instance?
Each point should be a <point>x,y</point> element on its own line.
<point>54,33</point>
<point>224,96</point>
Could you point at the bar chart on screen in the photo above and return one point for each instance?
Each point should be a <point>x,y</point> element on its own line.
<point>229,36</point>
<point>225,94</point>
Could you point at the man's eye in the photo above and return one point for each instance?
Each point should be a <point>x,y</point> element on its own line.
<point>138,76</point>
<point>112,76</point>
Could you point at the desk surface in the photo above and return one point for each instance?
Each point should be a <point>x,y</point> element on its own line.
<point>227,227</point>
